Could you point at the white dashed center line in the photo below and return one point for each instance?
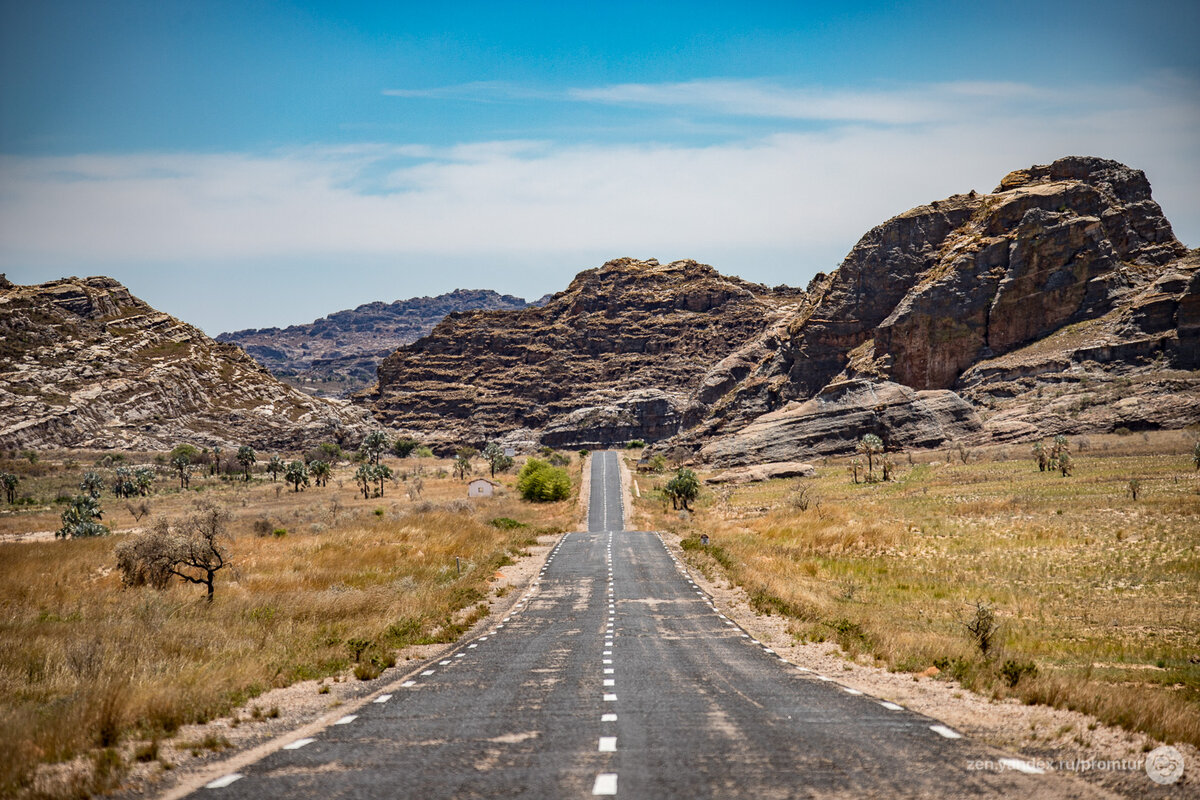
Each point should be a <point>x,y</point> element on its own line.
<point>346,720</point>
<point>608,717</point>
<point>296,745</point>
<point>942,730</point>
<point>608,744</point>
<point>383,698</point>
<point>891,706</point>
<point>222,782</point>
<point>606,784</point>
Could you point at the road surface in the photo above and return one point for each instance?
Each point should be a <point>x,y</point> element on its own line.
<point>615,675</point>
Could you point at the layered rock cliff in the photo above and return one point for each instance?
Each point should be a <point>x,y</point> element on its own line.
<point>338,354</point>
<point>614,357</point>
<point>1061,302</point>
<point>83,363</point>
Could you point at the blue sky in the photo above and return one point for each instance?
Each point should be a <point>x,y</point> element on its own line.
<point>242,163</point>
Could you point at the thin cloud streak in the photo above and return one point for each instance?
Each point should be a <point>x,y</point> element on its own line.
<point>789,194</point>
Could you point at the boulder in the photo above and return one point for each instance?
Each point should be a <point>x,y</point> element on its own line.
<point>840,415</point>
<point>764,472</point>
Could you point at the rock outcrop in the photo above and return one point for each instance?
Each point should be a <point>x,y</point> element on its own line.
<point>841,414</point>
<point>617,356</point>
<point>1015,306</point>
<point>763,472</point>
<point>83,363</point>
<point>338,354</point>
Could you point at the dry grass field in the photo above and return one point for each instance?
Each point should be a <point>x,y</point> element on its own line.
<point>1096,596</point>
<point>322,582</point>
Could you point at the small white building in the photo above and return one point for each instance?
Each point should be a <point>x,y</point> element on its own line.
<point>481,487</point>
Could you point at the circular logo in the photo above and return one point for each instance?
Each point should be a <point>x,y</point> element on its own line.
<point>1164,765</point>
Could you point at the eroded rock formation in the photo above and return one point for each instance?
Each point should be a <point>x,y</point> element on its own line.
<point>1061,302</point>
<point>83,363</point>
<point>614,357</point>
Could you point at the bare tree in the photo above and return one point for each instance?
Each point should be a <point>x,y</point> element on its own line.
<point>194,550</point>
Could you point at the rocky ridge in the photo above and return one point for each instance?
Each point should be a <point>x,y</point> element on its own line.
<point>338,353</point>
<point>614,357</point>
<point>84,363</point>
<point>1059,303</point>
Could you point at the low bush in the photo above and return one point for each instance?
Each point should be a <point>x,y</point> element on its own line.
<point>539,482</point>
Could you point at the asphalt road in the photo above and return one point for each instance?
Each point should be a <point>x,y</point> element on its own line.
<point>615,675</point>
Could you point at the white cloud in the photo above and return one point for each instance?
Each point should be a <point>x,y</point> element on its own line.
<point>789,195</point>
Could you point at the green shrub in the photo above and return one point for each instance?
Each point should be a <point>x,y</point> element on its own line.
<point>367,670</point>
<point>506,524</point>
<point>539,482</point>
<point>1013,671</point>
<point>634,444</point>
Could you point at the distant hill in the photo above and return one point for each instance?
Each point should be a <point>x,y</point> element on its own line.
<point>613,357</point>
<point>84,363</point>
<point>337,354</point>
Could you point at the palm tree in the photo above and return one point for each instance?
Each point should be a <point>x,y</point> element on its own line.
<point>870,446</point>
<point>374,445</point>
<point>683,488</point>
<point>246,457</point>
<point>1041,456</point>
<point>275,466</point>
<point>320,471</point>
<point>497,460</point>
<point>92,484</point>
<point>297,474</point>
<point>10,481</point>
<point>364,476</point>
<point>143,479</point>
<point>183,465</point>
<point>382,472</point>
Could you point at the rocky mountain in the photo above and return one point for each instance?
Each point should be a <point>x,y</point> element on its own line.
<point>83,363</point>
<point>338,354</point>
<point>614,357</point>
<point>1059,303</point>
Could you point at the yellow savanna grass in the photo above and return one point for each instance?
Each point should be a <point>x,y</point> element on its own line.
<point>85,663</point>
<point>1095,590</point>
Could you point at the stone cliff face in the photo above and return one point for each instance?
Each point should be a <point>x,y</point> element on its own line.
<point>1067,276</point>
<point>1054,245</point>
<point>614,357</point>
<point>338,354</point>
<point>83,363</point>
